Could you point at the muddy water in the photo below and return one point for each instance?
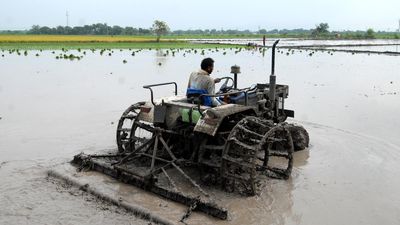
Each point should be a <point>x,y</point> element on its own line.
<point>53,108</point>
<point>385,48</point>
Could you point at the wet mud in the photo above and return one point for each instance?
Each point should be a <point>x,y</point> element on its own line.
<point>3,163</point>
<point>30,197</point>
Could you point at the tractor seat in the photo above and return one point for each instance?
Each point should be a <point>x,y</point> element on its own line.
<point>193,94</point>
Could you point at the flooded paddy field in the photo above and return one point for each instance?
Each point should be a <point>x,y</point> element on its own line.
<point>52,109</point>
<point>292,42</point>
<point>377,48</point>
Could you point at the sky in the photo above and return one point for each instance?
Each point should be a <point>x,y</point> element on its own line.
<point>204,14</point>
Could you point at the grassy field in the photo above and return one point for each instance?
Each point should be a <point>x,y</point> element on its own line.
<point>96,42</point>
<point>107,45</point>
<point>74,39</point>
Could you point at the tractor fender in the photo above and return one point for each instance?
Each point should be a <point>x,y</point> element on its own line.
<point>213,118</point>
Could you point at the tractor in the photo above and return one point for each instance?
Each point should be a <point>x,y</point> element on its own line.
<point>233,145</point>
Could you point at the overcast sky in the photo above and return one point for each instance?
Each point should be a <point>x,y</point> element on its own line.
<point>204,14</point>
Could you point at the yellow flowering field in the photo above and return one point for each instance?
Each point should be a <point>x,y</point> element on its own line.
<point>73,38</point>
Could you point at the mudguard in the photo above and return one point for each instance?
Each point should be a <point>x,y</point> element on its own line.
<point>213,117</point>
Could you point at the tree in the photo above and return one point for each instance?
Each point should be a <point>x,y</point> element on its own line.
<point>116,30</point>
<point>370,33</point>
<point>129,31</point>
<point>160,28</point>
<point>35,29</point>
<point>262,31</point>
<point>320,29</point>
<point>60,30</point>
<point>45,30</point>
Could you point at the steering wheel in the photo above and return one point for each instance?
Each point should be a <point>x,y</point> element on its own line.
<point>225,87</point>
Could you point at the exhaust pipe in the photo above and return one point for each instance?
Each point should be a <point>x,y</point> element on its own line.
<point>272,78</point>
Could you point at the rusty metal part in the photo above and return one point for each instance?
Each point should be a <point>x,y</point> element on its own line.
<point>277,142</point>
<point>192,207</point>
<point>169,179</point>
<point>125,132</point>
<point>127,176</point>
<point>247,152</point>
<point>215,116</point>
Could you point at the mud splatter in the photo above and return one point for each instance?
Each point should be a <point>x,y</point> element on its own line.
<point>3,163</point>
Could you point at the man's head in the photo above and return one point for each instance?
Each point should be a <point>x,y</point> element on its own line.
<point>207,65</point>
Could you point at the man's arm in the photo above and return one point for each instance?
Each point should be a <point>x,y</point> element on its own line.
<point>211,90</point>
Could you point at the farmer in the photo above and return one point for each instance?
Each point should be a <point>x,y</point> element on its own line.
<point>200,82</point>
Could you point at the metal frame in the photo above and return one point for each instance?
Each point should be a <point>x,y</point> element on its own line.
<point>126,176</point>
<point>272,77</point>
<point>160,84</point>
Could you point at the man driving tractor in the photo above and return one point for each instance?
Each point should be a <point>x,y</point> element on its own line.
<point>200,82</point>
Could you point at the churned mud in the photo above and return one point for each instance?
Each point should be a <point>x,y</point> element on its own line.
<point>2,164</point>
<point>28,196</point>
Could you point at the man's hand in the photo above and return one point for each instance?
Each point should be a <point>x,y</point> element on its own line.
<point>217,80</point>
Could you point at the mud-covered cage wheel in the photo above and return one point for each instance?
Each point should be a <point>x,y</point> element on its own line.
<point>248,152</point>
<point>127,129</point>
<point>275,152</point>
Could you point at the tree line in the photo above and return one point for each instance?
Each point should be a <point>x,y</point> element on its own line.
<point>161,28</point>
<point>94,29</point>
<point>104,29</point>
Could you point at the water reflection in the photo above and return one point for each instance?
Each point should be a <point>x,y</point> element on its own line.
<point>161,57</point>
<point>301,157</point>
